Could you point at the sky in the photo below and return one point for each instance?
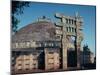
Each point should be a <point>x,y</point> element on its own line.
<point>36,10</point>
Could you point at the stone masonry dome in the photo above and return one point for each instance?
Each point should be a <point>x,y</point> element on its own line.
<point>38,31</point>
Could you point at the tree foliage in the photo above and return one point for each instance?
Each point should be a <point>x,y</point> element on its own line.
<point>17,9</point>
<point>86,48</point>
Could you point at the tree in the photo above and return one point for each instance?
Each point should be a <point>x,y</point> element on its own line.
<point>85,48</point>
<point>17,9</point>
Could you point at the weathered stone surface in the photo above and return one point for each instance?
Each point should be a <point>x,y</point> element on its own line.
<point>38,31</point>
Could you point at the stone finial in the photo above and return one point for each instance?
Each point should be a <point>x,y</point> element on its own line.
<point>44,18</point>
<point>77,14</point>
